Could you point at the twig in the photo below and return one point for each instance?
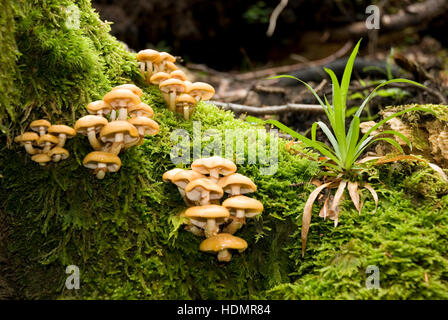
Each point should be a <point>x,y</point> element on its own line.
<point>283,69</point>
<point>290,107</point>
<point>274,16</point>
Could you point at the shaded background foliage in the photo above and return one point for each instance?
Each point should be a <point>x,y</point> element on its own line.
<point>124,233</point>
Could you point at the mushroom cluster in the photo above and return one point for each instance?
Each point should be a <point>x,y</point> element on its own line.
<point>203,188</point>
<point>46,143</point>
<point>180,94</point>
<point>116,123</point>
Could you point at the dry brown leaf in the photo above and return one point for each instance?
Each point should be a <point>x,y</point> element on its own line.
<point>324,211</point>
<point>337,199</point>
<point>383,160</point>
<point>374,194</point>
<point>306,219</point>
<point>354,195</point>
<point>439,170</point>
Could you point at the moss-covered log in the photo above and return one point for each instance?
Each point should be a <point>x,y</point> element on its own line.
<point>124,232</point>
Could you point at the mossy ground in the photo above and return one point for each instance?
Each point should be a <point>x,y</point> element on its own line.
<point>124,233</point>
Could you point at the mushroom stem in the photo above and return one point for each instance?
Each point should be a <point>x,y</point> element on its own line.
<point>182,193</point>
<point>142,68</point>
<point>91,134</point>
<point>194,230</point>
<point>224,255</point>
<point>235,188</point>
<point>57,158</point>
<point>240,214</point>
<point>47,147</point>
<point>198,98</point>
<point>172,102</point>
<point>29,148</point>
<point>113,114</point>
<point>214,175</point>
<point>186,112</point>
<point>42,131</point>
<point>205,199</point>
<point>123,113</point>
<point>166,98</point>
<point>211,228</point>
<point>148,70</point>
<point>62,139</point>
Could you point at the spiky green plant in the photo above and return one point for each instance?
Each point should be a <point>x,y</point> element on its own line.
<point>346,146</point>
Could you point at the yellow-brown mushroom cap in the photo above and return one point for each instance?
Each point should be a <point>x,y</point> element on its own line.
<point>211,211</point>
<point>201,89</point>
<point>178,74</point>
<point>92,160</point>
<point>90,121</point>
<point>245,183</point>
<point>58,129</point>
<point>185,98</point>
<point>165,56</point>
<point>129,86</point>
<point>159,77</point>
<point>109,131</point>
<point>27,136</point>
<point>41,158</point>
<point>252,207</point>
<point>194,188</point>
<point>121,94</point>
<point>184,177</point>
<point>148,55</point>
<point>224,166</point>
<point>172,85</point>
<point>168,176</point>
<point>36,124</point>
<point>170,66</point>
<point>95,106</point>
<point>59,151</point>
<point>223,241</point>
<point>150,126</point>
<point>47,138</point>
<point>146,110</point>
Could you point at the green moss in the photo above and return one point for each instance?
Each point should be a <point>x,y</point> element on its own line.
<point>124,233</point>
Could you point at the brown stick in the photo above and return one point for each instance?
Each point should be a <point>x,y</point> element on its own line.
<point>290,107</point>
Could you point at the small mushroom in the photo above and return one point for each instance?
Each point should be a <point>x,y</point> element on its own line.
<point>42,159</point>
<point>102,162</point>
<point>145,126</point>
<point>214,166</point>
<point>47,141</point>
<point>58,153</point>
<point>182,178</point>
<point>214,215</point>
<point>28,139</point>
<point>159,77</point>
<point>162,60</point>
<point>119,133</point>
<point>170,67</point>
<point>178,74</point>
<point>63,133</point>
<point>237,184</point>
<point>140,110</point>
<point>185,104</point>
<point>146,59</point>
<point>129,86</point>
<point>221,244</point>
<point>40,126</point>
<point>200,91</point>
<point>203,191</point>
<point>241,207</point>
<point>99,108</point>
<point>121,100</point>
<point>172,87</point>
<point>194,226</point>
<point>169,175</point>
<point>90,126</point>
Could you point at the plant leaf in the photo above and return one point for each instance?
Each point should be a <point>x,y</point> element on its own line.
<point>373,192</point>
<point>352,188</point>
<point>337,199</point>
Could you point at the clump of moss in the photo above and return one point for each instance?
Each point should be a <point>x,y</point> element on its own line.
<point>124,232</point>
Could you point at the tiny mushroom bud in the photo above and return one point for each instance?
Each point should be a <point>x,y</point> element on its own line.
<point>201,91</point>
<point>129,86</point>
<point>102,162</point>
<point>172,87</point>
<point>214,166</point>
<point>90,126</point>
<point>146,59</point>
<point>237,184</point>
<point>119,133</point>
<point>121,99</point>
<point>145,126</point>
<point>47,141</point>
<point>213,214</point>
<point>63,132</point>
<point>182,178</point>
<point>28,139</point>
<point>42,159</point>
<point>141,110</point>
<point>99,108</point>
<point>203,191</point>
<point>185,104</point>
<point>162,60</point>
<point>241,207</point>
<point>40,126</point>
<point>221,244</point>
<point>58,153</point>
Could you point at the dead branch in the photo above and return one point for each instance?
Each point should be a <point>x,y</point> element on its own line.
<point>274,16</point>
<point>259,111</point>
